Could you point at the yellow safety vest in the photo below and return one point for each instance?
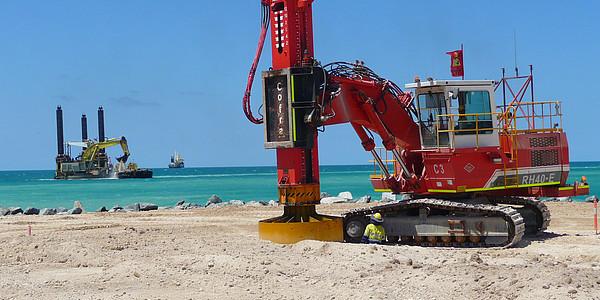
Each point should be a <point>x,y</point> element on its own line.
<point>375,233</point>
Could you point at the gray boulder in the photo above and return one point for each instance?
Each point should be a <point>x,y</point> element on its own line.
<point>77,203</point>
<point>235,203</point>
<point>48,211</point>
<point>102,209</point>
<point>75,211</point>
<point>389,197</point>
<point>331,200</point>
<point>148,206</point>
<point>588,199</point>
<point>183,206</point>
<point>273,203</point>
<point>31,211</point>
<point>61,210</point>
<point>4,211</point>
<point>214,199</point>
<point>15,210</point>
<point>116,208</point>
<point>180,203</point>
<point>345,195</point>
<point>132,207</point>
<point>188,206</point>
<point>325,195</point>
<point>364,199</point>
<point>559,199</point>
<point>255,203</point>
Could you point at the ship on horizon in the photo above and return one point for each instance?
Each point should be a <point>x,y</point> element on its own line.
<point>176,161</point>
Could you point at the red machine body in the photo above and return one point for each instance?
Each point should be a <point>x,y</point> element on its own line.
<point>517,149</point>
<point>447,149</point>
<point>483,170</point>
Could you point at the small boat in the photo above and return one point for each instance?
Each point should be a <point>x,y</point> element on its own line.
<point>139,173</point>
<point>132,171</point>
<point>176,161</point>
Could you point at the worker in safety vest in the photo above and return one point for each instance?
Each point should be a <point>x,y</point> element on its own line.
<point>374,232</point>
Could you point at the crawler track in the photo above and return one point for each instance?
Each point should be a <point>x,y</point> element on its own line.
<point>535,212</point>
<point>515,225</point>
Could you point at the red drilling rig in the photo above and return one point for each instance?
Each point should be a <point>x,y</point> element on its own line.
<point>473,170</point>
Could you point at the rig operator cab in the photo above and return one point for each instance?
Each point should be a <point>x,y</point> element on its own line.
<point>456,113</point>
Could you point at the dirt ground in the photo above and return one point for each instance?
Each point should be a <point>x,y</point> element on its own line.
<point>215,253</point>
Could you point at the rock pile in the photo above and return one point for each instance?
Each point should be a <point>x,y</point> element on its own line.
<point>31,211</point>
<point>342,197</point>
<point>346,197</point>
<point>213,201</point>
<point>236,203</point>
<point>48,211</point>
<point>15,210</point>
<point>364,199</point>
<point>77,209</point>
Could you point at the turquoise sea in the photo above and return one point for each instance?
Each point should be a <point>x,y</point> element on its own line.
<point>38,189</point>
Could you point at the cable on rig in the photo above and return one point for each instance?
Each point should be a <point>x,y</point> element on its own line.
<point>265,18</point>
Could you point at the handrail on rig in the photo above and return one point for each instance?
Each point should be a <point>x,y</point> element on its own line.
<point>387,159</point>
<point>469,123</point>
<point>523,117</point>
<point>542,116</point>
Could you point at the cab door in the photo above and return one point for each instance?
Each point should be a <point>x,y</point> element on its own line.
<point>433,121</point>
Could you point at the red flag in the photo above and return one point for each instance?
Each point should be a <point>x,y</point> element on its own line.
<point>456,63</point>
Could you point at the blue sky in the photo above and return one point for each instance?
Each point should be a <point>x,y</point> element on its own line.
<point>171,74</point>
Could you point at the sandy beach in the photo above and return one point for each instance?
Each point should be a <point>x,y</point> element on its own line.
<point>215,253</point>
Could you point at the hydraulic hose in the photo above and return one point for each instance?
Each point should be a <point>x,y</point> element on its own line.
<point>265,15</point>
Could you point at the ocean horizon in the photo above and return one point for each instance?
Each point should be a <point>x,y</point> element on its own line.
<point>37,188</point>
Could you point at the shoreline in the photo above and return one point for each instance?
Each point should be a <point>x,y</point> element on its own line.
<point>216,201</point>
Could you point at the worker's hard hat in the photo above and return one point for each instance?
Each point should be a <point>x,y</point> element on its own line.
<point>376,217</point>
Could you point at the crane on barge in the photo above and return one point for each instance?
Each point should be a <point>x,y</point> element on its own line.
<point>93,162</point>
<point>473,170</point>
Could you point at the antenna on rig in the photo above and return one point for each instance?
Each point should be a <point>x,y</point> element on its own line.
<point>515,46</point>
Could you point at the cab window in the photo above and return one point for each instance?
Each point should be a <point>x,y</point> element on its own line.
<point>475,113</point>
<point>431,106</point>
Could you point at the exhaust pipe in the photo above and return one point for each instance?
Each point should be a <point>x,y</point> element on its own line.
<point>101,136</point>
<point>60,139</point>
<point>84,131</point>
